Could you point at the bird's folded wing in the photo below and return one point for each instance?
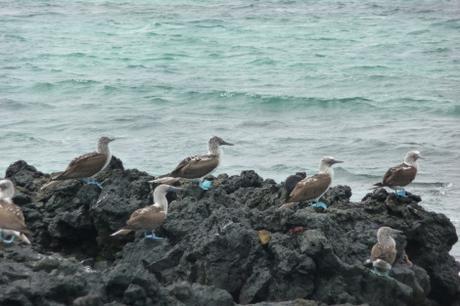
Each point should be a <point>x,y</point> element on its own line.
<point>400,175</point>
<point>84,166</point>
<point>12,218</point>
<point>310,187</point>
<point>196,166</point>
<point>378,252</point>
<point>145,218</point>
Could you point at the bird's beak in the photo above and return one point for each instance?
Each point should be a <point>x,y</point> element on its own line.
<point>224,143</point>
<point>174,189</point>
<point>421,157</point>
<point>397,231</point>
<point>337,161</point>
<point>112,139</point>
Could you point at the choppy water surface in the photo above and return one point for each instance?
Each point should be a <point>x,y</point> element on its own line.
<point>286,81</point>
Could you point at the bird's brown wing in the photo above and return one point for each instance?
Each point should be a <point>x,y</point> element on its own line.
<point>310,188</point>
<point>12,218</point>
<point>143,210</point>
<point>149,217</point>
<point>83,166</point>
<point>386,254</point>
<point>196,166</point>
<point>400,175</point>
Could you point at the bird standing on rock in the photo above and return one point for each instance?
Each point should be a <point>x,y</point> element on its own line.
<point>86,166</point>
<point>151,217</point>
<point>12,222</point>
<point>313,187</point>
<point>383,253</point>
<point>198,166</point>
<point>401,175</point>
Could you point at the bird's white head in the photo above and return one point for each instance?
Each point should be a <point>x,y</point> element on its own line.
<point>214,143</point>
<point>412,157</point>
<point>103,144</point>
<point>7,189</point>
<point>159,195</point>
<point>326,164</point>
<point>385,235</point>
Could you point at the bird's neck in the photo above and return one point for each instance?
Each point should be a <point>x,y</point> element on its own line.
<point>214,149</point>
<point>7,195</point>
<point>411,163</point>
<point>6,198</point>
<point>324,168</point>
<point>159,198</point>
<point>386,241</point>
<point>103,148</point>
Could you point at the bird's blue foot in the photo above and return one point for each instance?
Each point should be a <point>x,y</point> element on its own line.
<point>320,205</point>
<point>91,181</point>
<point>5,239</point>
<point>151,236</point>
<point>400,193</point>
<point>205,184</point>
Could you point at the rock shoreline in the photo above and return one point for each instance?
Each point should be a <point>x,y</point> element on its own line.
<point>212,253</point>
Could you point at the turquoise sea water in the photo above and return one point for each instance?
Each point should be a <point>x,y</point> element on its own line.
<point>286,81</point>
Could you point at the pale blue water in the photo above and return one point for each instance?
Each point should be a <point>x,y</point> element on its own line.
<point>286,81</point>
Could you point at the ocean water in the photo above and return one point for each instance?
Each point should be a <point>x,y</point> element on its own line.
<point>286,81</point>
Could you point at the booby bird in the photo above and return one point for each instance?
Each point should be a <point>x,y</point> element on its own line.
<point>313,187</point>
<point>86,166</point>
<point>401,175</point>
<point>12,222</point>
<point>151,217</point>
<point>383,253</point>
<point>197,166</point>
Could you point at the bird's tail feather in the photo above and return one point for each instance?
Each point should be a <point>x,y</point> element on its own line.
<point>288,204</point>
<point>21,236</point>
<point>58,176</point>
<point>24,238</point>
<point>49,184</point>
<point>170,174</point>
<point>122,231</point>
<point>165,180</point>
<point>377,185</point>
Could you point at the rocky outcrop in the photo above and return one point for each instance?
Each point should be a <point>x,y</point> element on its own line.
<point>212,252</point>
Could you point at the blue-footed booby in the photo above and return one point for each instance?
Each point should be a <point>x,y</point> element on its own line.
<point>86,166</point>
<point>151,217</point>
<point>401,175</point>
<point>197,166</point>
<point>12,222</point>
<point>383,253</point>
<point>313,187</point>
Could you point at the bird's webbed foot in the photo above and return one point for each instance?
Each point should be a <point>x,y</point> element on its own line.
<point>91,181</point>
<point>319,205</point>
<point>6,239</point>
<point>151,236</point>
<point>400,193</point>
<point>205,184</point>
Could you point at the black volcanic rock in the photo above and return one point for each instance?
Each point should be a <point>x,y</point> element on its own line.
<point>291,181</point>
<point>211,253</point>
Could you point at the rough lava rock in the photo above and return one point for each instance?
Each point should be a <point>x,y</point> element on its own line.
<point>211,253</point>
